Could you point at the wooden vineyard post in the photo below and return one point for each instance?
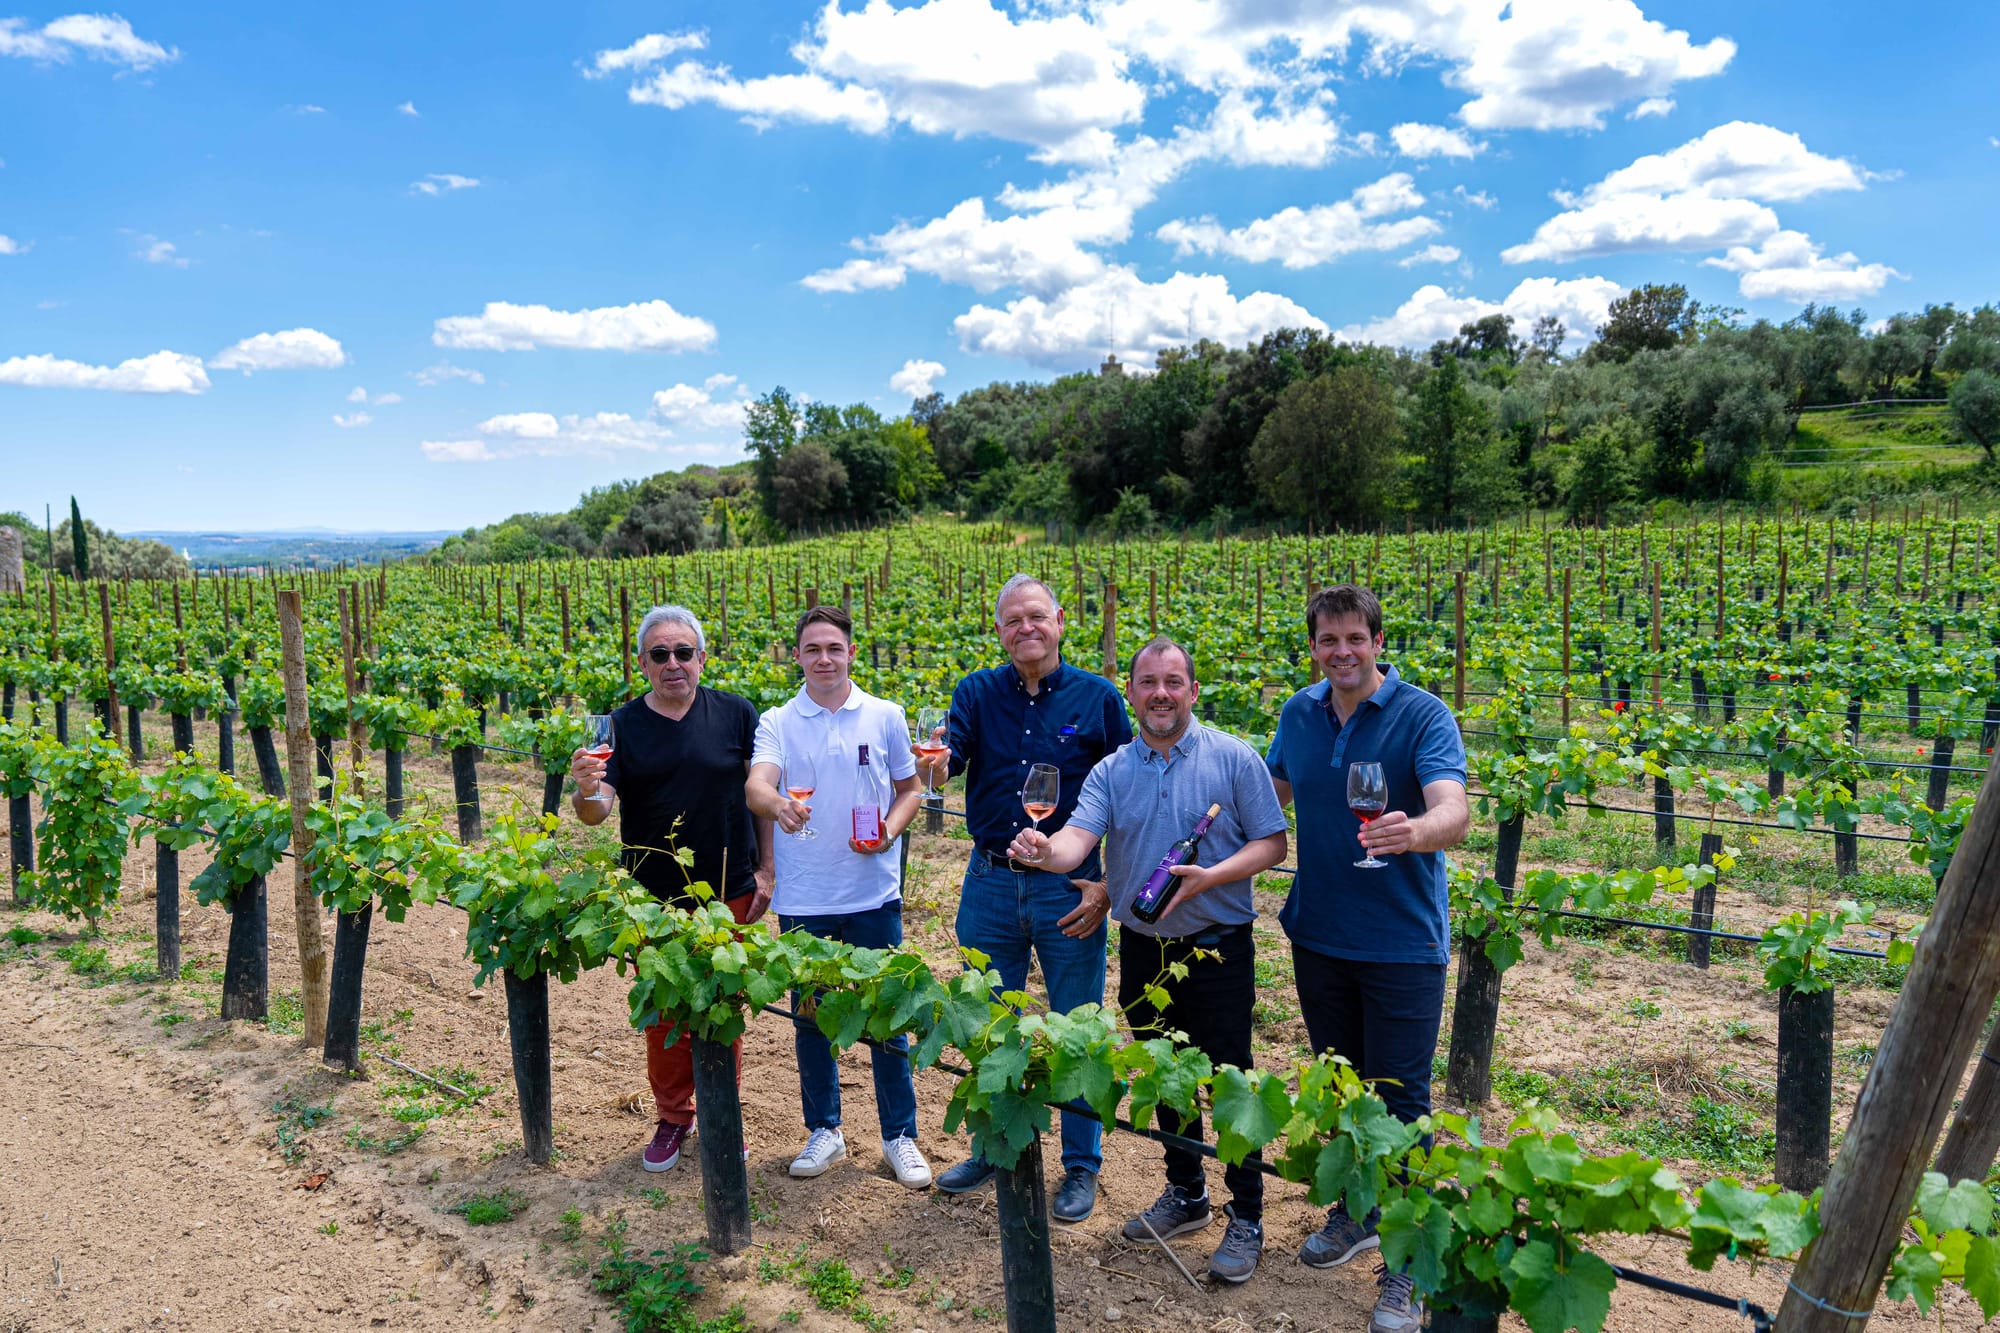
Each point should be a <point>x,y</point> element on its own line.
<point>1805,1087</point>
<point>1476,1008</point>
<point>1026,1271</point>
<point>528,1036</point>
<point>625,635</point>
<point>1566,689</point>
<point>1932,1031</point>
<point>1458,644</point>
<point>298,757</point>
<point>465,790</point>
<point>1111,631</point>
<point>725,1182</point>
<point>1974,1137</point>
<point>357,749</point>
<point>1701,915</point>
<point>1653,624</point>
<point>110,664</point>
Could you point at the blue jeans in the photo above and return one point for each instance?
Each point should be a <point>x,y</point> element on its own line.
<point>1005,914</point>
<point>1384,1017</point>
<point>819,1075</point>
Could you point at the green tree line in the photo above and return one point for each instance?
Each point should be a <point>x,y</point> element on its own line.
<point>1666,401</point>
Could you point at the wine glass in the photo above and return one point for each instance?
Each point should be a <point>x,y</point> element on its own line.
<point>1367,797</point>
<point>1038,795</point>
<point>598,742</point>
<point>930,743</point>
<point>801,780</point>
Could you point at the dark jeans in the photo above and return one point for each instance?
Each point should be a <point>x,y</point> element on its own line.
<point>1383,1017</point>
<point>1212,1005</point>
<point>819,1075</point>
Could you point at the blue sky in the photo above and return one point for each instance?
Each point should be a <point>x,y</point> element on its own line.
<point>377,266</point>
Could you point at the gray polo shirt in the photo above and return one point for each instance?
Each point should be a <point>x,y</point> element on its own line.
<point>1142,804</point>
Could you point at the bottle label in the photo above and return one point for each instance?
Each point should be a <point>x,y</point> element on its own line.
<point>867,825</point>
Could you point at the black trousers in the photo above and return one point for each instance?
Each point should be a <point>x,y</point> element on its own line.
<point>1383,1017</point>
<point>1212,1004</point>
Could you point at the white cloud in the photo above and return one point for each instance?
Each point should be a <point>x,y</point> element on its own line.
<point>10,246</point>
<point>1640,222</point>
<point>1118,312</point>
<point>526,425</point>
<point>308,109</point>
<point>457,451</point>
<point>1430,254</point>
<point>648,50</point>
<point>1709,193</point>
<point>1241,132</point>
<point>1790,266</point>
<point>162,372</point>
<point>293,349</point>
<point>1739,160</point>
<point>443,182</point>
<point>917,378</point>
<point>432,376</point>
<point>104,37</point>
<point>1417,140</point>
<point>1302,238</point>
<point>407,109</point>
<point>856,275</point>
<point>385,399</point>
<point>156,251</point>
<point>1478,199</point>
<point>352,420</point>
<point>1431,313</point>
<point>685,407</point>
<point>649,326</point>
<point>1652,106</point>
<point>763,102</point>
<point>357,394</point>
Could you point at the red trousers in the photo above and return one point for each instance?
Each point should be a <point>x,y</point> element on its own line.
<point>670,1069</point>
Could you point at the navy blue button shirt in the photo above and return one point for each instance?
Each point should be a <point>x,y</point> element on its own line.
<point>998,730</point>
<point>1393,915</point>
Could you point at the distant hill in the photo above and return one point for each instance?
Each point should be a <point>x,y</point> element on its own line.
<point>314,548</point>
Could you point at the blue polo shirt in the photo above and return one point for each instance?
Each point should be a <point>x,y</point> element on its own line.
<point>1394,915</point>
<point>998,729</point>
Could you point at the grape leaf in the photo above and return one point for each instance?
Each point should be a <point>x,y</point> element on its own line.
<point>1553,1298</point>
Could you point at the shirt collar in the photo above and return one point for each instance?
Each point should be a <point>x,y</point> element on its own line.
<point>809,707</point>
<point>1050,681</point>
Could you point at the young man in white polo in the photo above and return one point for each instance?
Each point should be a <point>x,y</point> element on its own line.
<point>838,872</point>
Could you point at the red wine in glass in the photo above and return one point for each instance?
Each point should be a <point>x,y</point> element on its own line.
<point>1367,797</point>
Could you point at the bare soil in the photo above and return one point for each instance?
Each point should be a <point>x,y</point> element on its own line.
<point>145,1182</point>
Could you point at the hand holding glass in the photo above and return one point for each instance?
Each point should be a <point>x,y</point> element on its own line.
<point>1039,794</point>
<point>930,743</point>
<point>801,779</point>
<point>1367,797</point>
<point>597,743</point>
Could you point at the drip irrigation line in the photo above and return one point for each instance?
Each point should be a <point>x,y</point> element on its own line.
<point>1759,1317</point>
<point>1585,697</point>
<point>1693,930</point>
<point>500,749</point>
<point>1690,816</point>
<point>1737,754</point>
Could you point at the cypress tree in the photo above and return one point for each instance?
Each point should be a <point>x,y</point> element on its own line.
<point>79,542</point>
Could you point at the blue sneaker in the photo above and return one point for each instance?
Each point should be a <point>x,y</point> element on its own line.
<point>964,1178</point>
<point>1339,1241</point>
<point>1174,1213</point>
<point>1076,1197</point>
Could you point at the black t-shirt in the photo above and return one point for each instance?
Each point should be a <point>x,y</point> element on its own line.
<point>680,784</point>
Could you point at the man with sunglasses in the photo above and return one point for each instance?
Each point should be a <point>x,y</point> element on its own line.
<point>1036,709</point>
<point>677,771</point>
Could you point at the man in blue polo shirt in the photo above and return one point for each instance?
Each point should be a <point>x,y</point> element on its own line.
<point>1037,709</point>
<point>1369,947</point>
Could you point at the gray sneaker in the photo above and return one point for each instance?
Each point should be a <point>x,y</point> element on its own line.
<point>1341,1239</point>
<point>1172,1214</point>
<point>1242,1245</point>
<point>1397,1309</point>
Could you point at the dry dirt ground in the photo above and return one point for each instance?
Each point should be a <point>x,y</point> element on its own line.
<point>154,1168</point>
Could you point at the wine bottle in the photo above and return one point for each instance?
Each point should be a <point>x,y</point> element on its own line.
<point>869,787</point>
<point>1159,890</point>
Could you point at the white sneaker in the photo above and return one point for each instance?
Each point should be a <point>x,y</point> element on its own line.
<point>907,1161</point>
<point>822,1150</point>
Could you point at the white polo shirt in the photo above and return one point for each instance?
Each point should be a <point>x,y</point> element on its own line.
<point>823,876</point>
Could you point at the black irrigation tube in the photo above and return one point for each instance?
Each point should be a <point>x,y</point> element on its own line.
<point>1757,759</point>
<point>1584,696</point>
<point>1691,816</point>
<point>1694,930</point>
<point>498,749</point>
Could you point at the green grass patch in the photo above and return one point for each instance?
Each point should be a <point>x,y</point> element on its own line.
<point>485,1210</point>
<point>416,1102</point>
<point>386,1146</point>
<point>286,1015</point>
<point>1718,1134</point>
<point>297,1119</point>
<point>85,960</point>
<point>22,937</point>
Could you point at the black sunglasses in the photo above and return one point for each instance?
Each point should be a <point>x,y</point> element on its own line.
<point>680,652</point>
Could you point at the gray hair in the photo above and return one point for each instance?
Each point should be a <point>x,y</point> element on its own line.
<point>1018,582</point>
<point>670,615</point>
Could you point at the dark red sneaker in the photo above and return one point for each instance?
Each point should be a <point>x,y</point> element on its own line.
<point>664,1152</point>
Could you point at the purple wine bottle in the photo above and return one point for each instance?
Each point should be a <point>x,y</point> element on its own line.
<point>1159,890</point>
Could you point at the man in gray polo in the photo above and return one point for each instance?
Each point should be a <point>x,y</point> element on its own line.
<point>1147,795</point>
